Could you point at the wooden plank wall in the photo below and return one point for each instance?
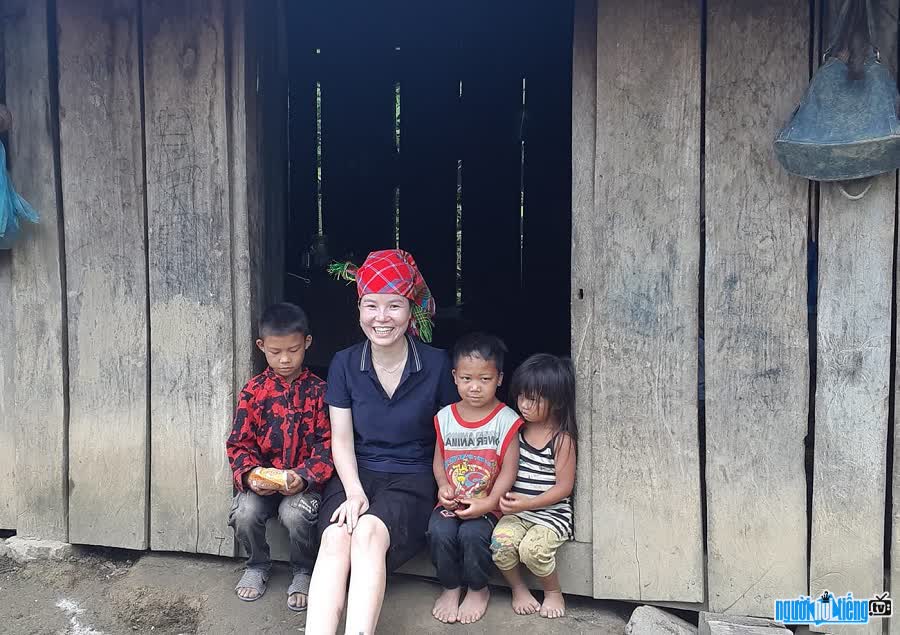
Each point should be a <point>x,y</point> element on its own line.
<point>642,181</point>
<point>191,359</point>
<point>101,144</point>
<point>756,346</point>
<point>7,398</point>
<point>645,452</point>
<point>584,146</point>
<point>856,252</point>
<point>38,278</point>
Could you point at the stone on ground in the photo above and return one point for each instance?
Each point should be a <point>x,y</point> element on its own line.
<point>23,549</point>
<point>719,624</point>
<point>649,620</point>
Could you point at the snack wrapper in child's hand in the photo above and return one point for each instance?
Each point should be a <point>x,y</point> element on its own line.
<point>268,478</point>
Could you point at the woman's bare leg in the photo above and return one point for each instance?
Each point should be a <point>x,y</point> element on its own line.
<point>368,548</point>
<point>328,587</point>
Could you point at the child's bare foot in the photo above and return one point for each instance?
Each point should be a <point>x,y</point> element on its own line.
<point>446,607</point>
<point>554,605</point>
<point>523,602</point>
<point>473,607</point>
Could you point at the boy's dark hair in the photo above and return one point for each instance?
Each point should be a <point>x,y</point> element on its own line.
<point>490,348</point>
<point>283,318</point>
<point>551,378</point>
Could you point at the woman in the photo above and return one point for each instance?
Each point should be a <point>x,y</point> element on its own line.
<point>382,394</point>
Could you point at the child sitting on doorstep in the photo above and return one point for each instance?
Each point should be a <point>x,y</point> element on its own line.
<point>281,422</point>
<point>538,511</point>
<point>475,462</point>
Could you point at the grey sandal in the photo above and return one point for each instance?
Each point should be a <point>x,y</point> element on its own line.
<point>253,579</point>
<point>300,584</point>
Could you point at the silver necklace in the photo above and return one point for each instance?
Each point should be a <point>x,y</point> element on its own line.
<point>391,371</point>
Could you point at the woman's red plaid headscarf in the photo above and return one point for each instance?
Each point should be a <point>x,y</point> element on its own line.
<point>393,271</point>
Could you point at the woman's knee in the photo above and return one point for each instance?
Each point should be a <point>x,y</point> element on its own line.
<point>536,554</point>
<point>370,535</point>
<point>335,542</point>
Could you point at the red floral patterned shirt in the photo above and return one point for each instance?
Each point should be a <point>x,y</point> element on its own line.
<point>282,425</point>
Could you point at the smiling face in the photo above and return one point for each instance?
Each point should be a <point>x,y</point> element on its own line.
<point>477,380</point>
<point>285,353</point>
<point>384,317</point>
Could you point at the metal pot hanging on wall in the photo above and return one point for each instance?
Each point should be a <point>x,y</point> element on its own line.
<point>846,125</point>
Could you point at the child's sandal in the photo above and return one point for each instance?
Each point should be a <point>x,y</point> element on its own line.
<point>253,579</point>
<point>300,584</point>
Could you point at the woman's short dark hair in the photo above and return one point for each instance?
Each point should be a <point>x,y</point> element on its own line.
<point>490,348</point>
<point>283,318</point>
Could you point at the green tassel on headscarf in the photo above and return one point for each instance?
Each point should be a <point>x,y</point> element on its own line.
<point>343,271</point>
<point>423,322</point>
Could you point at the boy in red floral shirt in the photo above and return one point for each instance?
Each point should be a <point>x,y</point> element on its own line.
<point>281,421</point>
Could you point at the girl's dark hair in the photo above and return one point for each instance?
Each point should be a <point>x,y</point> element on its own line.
<point>552,378</point>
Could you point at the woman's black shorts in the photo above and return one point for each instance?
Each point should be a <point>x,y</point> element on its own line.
<point>403,502</point>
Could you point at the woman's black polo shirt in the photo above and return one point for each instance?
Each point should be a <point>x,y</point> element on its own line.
<point>392,434</point>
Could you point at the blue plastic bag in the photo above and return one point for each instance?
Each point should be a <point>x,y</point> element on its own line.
<point>13,208</point>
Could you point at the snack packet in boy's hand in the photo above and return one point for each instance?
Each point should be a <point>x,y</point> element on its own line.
<point>268,478</point>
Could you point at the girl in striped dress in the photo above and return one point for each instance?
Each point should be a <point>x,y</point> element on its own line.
<point>538,509</point>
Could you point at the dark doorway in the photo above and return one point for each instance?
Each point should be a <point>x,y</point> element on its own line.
<point>444,129</point>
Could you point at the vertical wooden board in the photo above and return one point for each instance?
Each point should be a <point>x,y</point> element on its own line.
<point>7,398</point>
<point>38,279</point>
<point>429,148</point>
<point>852,374</point>
<point>855,260</point>
<point>102,171</point>
<point>191,354</point>
<point>757,348</point>
<point>584,126</point>
<point>491,174</point>
<point>246,280</point>
<point>646,227</point>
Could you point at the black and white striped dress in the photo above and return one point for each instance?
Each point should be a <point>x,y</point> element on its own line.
<point>537,474</point>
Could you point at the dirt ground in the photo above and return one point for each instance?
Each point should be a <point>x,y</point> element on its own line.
<point>107,592</point>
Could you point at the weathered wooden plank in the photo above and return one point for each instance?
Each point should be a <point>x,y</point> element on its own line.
<point>191,355</point>
<point>584,137</point>
<point>646,224</point>
<point>855,259</point>
<point>101,163</point>
<point>38,279</point>
<point>7,398</point>
<point>252,280</point>
<point>852,375</point>
<point>756,344</point>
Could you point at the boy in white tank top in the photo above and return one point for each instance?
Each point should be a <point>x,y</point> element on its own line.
<point>475,462</point>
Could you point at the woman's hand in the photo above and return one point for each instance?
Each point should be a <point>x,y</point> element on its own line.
<point>350,510</point>
<point>474,508</point>
<point>447,497</point>
<point>511,503</point>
